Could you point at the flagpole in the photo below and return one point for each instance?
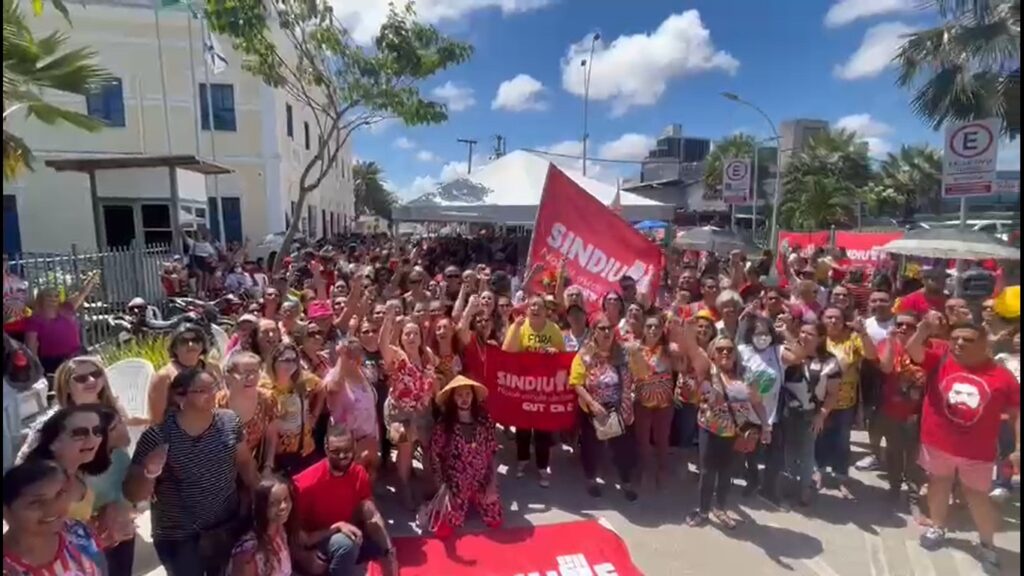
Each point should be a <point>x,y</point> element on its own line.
<point>163,78</point>
<point>217,219</point>
<point>193,78</point>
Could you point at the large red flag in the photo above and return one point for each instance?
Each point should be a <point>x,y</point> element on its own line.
<point>599,246</point>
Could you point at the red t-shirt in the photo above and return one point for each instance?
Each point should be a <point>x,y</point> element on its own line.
<point>963,408</point>
<point>325,499</point>
<point>904,388</point>
<point>473,362</point>
<point>919,303</point>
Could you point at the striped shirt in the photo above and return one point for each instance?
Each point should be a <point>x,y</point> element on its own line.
<point>77,555</point>
<point>197,489</point>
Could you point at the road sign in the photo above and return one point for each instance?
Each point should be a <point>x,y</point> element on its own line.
<point>736,181</point>
<point>969,164</point>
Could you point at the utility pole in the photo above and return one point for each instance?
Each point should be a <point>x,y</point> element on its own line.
<point>471,144</point>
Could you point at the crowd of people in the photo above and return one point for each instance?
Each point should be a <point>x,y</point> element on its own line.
<point>360,357</point>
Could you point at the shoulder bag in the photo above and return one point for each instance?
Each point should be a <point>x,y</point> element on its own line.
<point>747,436</point>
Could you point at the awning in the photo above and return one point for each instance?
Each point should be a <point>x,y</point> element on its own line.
<point>187,162</point>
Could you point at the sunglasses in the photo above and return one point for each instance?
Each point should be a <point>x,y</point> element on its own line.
<point>84,432</point>
<point>652,327</point>
<point>247,375</point>
<point>84,378</point>
<point>906,325</point>
<point>604,329</point>
<point>453,276</point>
<point>725,351</point>
<point>197,340</point>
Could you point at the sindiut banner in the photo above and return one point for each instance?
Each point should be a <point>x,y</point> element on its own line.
<point>862,248</point>
<point>530,389</point>
<point>574,548</point>
<point>597,245</point>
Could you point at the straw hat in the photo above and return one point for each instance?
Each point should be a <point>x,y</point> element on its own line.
<point>460,381</point>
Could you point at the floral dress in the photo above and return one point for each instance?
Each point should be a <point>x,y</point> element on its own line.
<point>407,412</point>
<point>654,391</point>
<point>276,562</point>
<point>448,367</point>
<point>721,399</point>
<point>463,460</point>
<point>254,430</point>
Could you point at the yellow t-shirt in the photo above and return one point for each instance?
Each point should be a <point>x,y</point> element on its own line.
<point>850,353</point>
<point>82,510</point>
<point>549,338</point>
<point>599,377</point>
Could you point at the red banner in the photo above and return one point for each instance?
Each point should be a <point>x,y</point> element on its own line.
<point>862,247</point>
<point>585,547</point>
<point>530,389</point>
<point>599,246</point>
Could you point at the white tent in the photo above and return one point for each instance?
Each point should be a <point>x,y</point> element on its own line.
<point>508,191</point>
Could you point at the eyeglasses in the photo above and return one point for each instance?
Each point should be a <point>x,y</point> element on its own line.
<point>652,327</point>
<point>196,340</point>
<point>84,432</point>
<point>84,378</point>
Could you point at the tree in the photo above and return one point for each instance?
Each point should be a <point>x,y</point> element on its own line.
<point>34,64</point>
<point>824,182</point>
<point>915,176</point>
<point>818,202</point>
<point>967,67</point>
<point>344,86</point>
<point>372,197</point>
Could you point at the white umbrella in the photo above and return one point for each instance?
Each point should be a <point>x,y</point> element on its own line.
<point>952,245</point>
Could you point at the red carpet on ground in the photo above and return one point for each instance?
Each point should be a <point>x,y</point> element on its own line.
<point>570,549</point>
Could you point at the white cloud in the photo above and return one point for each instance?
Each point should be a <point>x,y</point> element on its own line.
<point>429,183</point>
<point>363,18</point>
<point>453,170</point>
<point>635,70</point>
<point>876,51</point>
<point>403,143</point>
<point>870,130</point>
<point>629,146</point>
<point>845,12</point>
<point>383,125</point>
<point>456,97</point>
<point>520,94</point>
<point>427,156</point>
<point>1009,155</point>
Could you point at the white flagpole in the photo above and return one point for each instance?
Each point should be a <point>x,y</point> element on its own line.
<point>193,78</point>
<point>163,79</point>
<point>218,219</point>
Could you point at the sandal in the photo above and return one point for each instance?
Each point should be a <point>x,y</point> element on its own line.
<point>724,519</point>
<point>696,519</point>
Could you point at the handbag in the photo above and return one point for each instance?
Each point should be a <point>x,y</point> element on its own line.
<point>430,517</point>
<point>611,426</point>
<point>747,437</point>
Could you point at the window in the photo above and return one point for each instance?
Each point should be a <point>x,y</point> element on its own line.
<point>222,96</point>
<point>305,131</point>
<point>106,103</point>
<point>232,219</point>
<point>311,221</point>
<point>156,224</point>
<point>323,222</point>
<point>289,127</point>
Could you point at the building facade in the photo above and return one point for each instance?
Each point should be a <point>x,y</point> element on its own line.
<point>797,134</point>
<point>159,105</point>
<point>675,157</point>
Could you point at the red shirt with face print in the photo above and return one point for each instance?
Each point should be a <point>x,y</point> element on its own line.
<point>963,408</point>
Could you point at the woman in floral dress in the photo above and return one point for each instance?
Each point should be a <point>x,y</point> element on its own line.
<point>413,383</point>
<point>462,455</point>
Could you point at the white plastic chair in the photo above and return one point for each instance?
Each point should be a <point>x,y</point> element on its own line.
<point>129,381</point>
<point>220,339</point>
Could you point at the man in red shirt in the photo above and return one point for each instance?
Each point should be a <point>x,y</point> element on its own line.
<point>928,299</point>
<point>710,289</point>
<point>966,396</point>
<point>336,513</point>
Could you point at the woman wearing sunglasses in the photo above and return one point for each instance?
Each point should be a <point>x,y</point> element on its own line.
<point>300,401</point>
<point>728,406</point>
<point>603,381</point>
<point>41,539</point>
<point>188,349</point>
<point>655,384</point>
<point>254,406</point>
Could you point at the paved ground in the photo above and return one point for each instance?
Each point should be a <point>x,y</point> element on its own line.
<point>870,536</point>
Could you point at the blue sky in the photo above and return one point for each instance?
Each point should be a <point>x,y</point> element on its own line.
<point>658,62</point>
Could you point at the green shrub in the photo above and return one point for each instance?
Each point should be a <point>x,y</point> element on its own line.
<point>153,349</point>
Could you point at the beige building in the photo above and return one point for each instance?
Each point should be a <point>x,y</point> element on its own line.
<point>158,108</point>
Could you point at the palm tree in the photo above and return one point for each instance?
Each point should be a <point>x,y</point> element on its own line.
<point>735,146</point>
<point>914,174</point>
<point>818,202</point>
<point>371,194</point>
<point>824,181</point>
<point>34,64</point>
<point>968,67</point>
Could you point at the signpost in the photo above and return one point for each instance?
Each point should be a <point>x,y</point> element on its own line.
<point>736,181</point>
<point>970,160</point>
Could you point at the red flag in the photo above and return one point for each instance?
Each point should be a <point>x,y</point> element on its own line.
<point>530,389</point>
<point>599,247</point>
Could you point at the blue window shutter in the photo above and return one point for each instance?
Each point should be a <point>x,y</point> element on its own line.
<point>106,103</point>
<point>289,126</point>
<point>222,97</point>
<point>232,219</point>
<point>211,218</point>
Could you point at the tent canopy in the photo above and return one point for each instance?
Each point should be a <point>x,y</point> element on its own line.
<point>509,189</point>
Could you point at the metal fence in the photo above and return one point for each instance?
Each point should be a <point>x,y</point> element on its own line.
<point>124,274</point>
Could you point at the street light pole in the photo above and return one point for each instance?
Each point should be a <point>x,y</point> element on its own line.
<point>777,201</point>
<point>471,144</point>
<point>588,66</point>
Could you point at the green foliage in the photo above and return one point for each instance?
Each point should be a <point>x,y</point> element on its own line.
<point>735,146</point>
<point>914,175</point>
<point>152,349</point>
<point>967,67</point>
<point>344,86</point>
<point>824,181</point>
<point>372,197</point>
<point>33,64</point>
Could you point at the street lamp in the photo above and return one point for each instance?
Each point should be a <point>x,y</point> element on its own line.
<point>588,66</point>
<point>777,200</point>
